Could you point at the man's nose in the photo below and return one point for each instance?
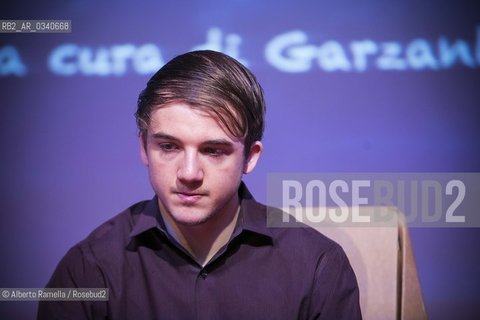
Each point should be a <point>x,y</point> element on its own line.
<point>190,169</point>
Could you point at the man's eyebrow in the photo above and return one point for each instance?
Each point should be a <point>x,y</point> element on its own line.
<point>213,142</point>
<point>164,136</point>
<point>218,142</point>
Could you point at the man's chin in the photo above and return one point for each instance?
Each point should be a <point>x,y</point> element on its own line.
<point>192,220</point>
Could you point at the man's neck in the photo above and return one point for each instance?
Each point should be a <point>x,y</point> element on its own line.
<point>203,241</point>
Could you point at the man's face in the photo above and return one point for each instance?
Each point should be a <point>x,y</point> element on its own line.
<point>195,167</point>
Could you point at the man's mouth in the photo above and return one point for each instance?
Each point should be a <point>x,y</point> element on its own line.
<point>189,197</point>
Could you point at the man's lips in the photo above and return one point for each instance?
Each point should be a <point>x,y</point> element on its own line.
<point>189,197</point>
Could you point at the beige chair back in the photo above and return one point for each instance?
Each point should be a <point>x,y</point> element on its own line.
<point>384,264</point>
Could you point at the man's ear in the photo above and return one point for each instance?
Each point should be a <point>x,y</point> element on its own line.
<point>253,156</point>
<point>143,148</point>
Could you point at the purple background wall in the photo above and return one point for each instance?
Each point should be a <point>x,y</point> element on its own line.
<point>69,153</point>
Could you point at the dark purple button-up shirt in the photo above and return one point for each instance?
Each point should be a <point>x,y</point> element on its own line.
<point>262,273</point>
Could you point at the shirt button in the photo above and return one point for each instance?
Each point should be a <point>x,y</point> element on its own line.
<point>204,275</point>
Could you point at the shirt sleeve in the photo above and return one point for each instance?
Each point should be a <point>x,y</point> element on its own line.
<point>77,269</point>
<point>335,293</point>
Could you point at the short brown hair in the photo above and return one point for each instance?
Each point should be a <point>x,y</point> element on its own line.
<point>210,81</point>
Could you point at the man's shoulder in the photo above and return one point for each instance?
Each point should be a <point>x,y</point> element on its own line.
<point>298,245</point>
<point>84,263</point>
<point>113,234</point>
<point>295,235</point>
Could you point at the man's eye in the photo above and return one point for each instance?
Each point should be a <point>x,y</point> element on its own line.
<point>214,152</point>
<point>168,147</point>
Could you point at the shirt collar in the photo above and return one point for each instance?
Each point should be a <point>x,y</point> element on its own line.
<point>149,218</point>
<point>252,216</point>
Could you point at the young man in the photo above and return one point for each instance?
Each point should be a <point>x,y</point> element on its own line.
<point>201,249</point>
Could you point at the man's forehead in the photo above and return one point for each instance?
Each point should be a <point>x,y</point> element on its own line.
<point>179,117</point>
<point>180,106</point>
